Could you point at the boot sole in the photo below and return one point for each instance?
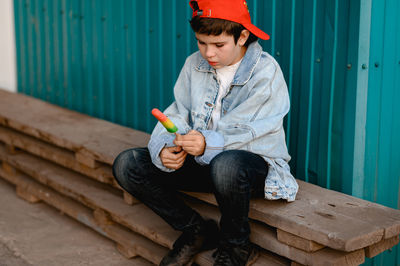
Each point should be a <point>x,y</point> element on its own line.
<point>253,257</point>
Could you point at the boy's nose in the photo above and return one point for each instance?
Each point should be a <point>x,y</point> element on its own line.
<point>210,52</point>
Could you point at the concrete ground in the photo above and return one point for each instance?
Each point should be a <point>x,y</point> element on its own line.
<point>36,234</point>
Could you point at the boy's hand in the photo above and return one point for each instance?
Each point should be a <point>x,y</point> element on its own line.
<point>173,157</point>
<point>193,142</point>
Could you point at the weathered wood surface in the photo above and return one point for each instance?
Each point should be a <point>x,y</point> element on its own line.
<point>319,214</point>
<point>138,217</point>
<point>99,139</point>
<point>55,154</point>
<point>128,239</point>
<point>378,248</point>
<point>298,242</point>
<point>265,236</point>
<point>334,208</point>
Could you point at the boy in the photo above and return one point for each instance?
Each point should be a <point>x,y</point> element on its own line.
<point>230,101</point>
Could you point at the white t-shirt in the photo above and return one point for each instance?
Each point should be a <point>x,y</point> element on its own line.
<point>225,76</point>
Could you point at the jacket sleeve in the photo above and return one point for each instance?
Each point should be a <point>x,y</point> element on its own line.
<point>256,124</point>
<point>178,113</point>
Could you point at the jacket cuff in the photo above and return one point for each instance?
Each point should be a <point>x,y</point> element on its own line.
<point>156,144</point>
<point>214,146</point>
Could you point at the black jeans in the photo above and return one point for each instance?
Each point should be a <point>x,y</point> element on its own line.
<point>233,176</point>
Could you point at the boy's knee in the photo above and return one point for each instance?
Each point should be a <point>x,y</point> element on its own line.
<point>120,164</point>
<point>125,163</point>
<point>227,167</point>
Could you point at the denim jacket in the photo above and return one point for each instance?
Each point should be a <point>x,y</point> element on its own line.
<point>252,115</point>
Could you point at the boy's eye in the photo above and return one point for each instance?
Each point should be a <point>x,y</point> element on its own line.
<point>219,45</point>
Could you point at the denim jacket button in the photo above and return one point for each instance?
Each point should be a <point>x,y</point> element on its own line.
<point>209,104</point>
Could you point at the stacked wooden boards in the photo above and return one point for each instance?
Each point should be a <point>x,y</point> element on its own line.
<point>64,158</point>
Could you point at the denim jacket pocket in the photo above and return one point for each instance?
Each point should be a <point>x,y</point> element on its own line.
<point>237,133</point>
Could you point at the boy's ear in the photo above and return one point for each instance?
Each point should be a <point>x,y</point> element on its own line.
<point>244,35</point>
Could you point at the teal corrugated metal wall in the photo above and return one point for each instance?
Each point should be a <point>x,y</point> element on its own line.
<point>341,59</point>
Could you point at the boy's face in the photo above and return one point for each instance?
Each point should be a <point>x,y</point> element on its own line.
<point>221,50</point>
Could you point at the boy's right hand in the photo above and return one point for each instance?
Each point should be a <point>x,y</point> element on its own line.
<point>173,157</point>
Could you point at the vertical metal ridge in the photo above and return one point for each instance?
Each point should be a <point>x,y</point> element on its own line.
<point>396,159</point>
<point>76,56</point>
<point>87,57</point>
<point>135,99</point>
<point>331,96</point>
<point>160,50</point>
<point>122,33</point>
<point>174,16</point>
<point>360,110</point>
<point>31,50</point>
<point>20,43</point>
<point>291,58</point>
<point>49,82</point>
<point>254,12</point>
<point>386,152</point>
<point>119,59</point>
<point>40,50</point>
<point>66,55</point>
<point>59,12</point>
<point>310,92</point>
<point>147,64</point>
<point>98,62</point>
<point>273,27</point>
<point>109,60</point>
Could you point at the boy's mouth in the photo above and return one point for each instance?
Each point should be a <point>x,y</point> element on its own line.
<point>212,63</point>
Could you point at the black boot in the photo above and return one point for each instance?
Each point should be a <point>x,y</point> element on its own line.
<point>232,255</point>
<point>191,242</point>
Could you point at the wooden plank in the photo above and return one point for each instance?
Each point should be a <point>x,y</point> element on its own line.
<point>11,149</point>
<point>55,154</point>
<point>141,246</point>
<point>298,242</point>
<point>110,210</point>
<point>269,258</point>
<point>94,195</point>
<point>380,247</point>
<point>265,237</point>
<point>296,264</point>
<point>309,220</point>
<point>86,159</point>
<point>265,258</point>
<point>25,195</point>
<point>8,168</point>
<point>129,199</point>
<point>66,128</point>
<point>128,239</point>
<point>370,212</point>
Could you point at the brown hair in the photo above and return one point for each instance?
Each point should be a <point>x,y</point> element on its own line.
<point>215,26</point>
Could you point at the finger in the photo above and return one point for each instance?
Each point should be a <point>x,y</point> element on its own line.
<point>172,151</point>
<point>194,132</point>
<point>173,157</point>
<point>176,149</point>
<point>174,164</point>
<point>185,143</point>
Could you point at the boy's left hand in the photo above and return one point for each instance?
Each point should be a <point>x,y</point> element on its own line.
<point>193,142</point>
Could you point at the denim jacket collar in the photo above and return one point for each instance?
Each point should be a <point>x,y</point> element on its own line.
<point>245,69</point>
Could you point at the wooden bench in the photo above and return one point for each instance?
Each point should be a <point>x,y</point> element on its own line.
<point>64,159</point>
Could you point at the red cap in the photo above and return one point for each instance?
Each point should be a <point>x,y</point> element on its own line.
<point>232,10</point>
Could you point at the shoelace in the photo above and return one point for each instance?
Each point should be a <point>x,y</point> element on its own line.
<point>222,256</point>
<point>181,249</point>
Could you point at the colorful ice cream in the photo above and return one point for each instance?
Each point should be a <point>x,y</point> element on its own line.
<point>164,120</point>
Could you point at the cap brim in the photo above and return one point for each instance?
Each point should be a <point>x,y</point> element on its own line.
<point>256,31</point>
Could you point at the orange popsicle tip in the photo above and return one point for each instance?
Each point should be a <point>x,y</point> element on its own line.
<point>159,115</point>
<point>164,120</point>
